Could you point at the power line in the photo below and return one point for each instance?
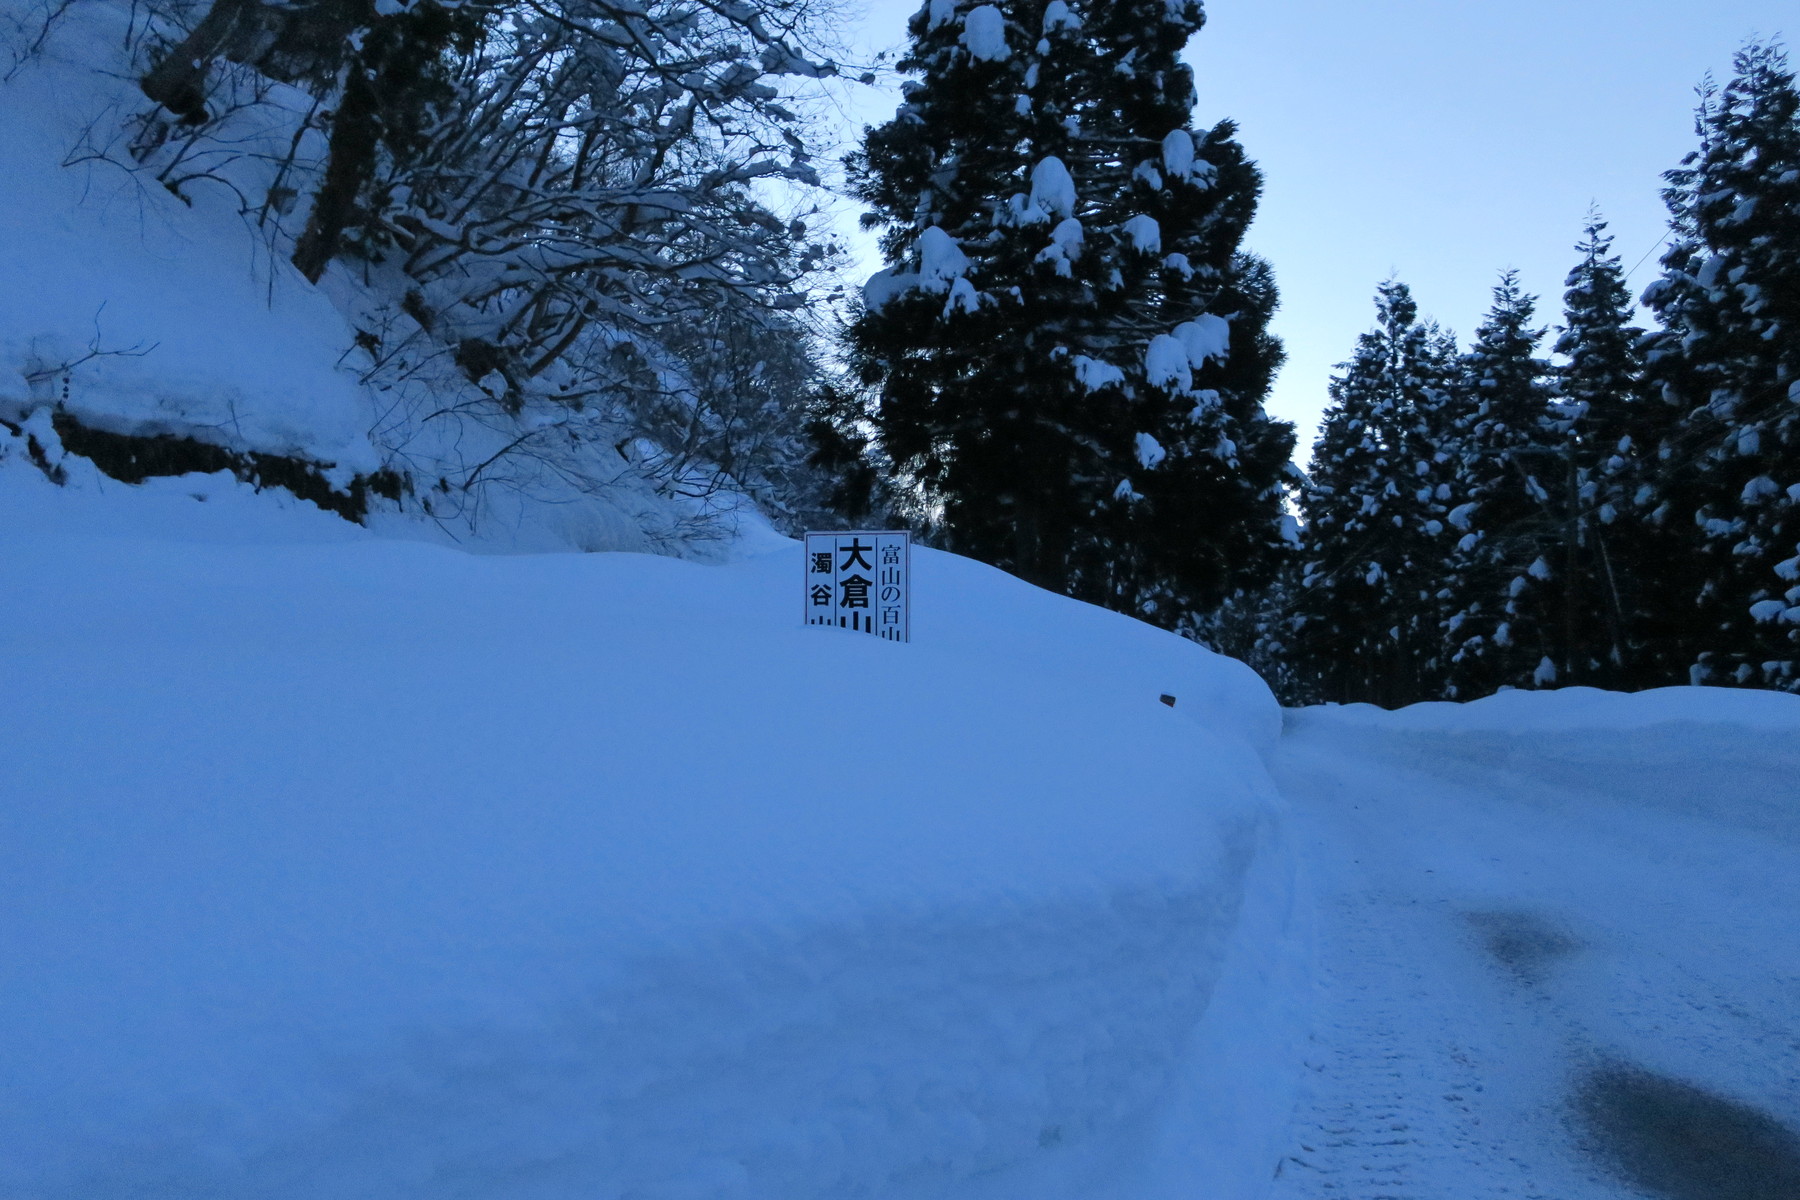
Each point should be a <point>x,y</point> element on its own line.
<point>1660,243</point>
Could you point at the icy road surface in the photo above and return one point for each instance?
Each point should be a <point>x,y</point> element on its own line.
<point>1551,963</point>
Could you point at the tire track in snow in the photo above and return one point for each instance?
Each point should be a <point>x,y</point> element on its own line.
<point>1411,1032</point>
<point>1391,1092</point>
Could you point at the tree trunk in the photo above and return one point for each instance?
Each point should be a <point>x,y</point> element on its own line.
<point>355,134</point>
<point>234,29</point>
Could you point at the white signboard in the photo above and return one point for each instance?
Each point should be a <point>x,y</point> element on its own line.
<point>860,580</point>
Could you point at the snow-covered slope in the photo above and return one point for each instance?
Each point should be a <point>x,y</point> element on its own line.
<point>333,866</point>
<point>335,862</point>
<point>97,258</point>
<point>192,328</point>
<point>147,293</point>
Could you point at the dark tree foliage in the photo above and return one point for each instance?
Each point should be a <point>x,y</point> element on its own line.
<point>1612,631</point>
<point>1629,517</point>
<point>1506,457</point>
<point>1070,349</point>
<point>1367,619</point>
<point>1727,360</point>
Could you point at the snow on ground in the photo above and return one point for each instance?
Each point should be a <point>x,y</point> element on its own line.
<point>1556,942</point>
<point>338,866</point>
<point>332,866</point>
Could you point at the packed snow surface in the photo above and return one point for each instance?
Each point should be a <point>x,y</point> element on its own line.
<point>1577,709</point>
<point>1555,939</point>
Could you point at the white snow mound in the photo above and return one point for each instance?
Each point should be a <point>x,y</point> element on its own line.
<point>1052,187</point>
<point>337,866</point>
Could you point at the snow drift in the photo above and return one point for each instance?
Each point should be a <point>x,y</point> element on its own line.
<point>334,866</point>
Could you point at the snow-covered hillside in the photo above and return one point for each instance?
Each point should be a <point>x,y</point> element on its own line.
<point>336,862</point>
<point>340,863</point>
<point>149,310</point>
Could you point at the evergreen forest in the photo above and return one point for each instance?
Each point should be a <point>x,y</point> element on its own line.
<point>1067,359</point>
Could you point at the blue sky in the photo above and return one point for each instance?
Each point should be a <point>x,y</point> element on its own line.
<point>1439,141</point>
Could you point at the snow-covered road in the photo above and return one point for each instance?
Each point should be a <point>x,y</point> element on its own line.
<point>1550,963</point>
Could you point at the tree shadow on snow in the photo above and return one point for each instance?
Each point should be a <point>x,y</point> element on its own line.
<point>1671,1139</point>
<point>1521,942</point>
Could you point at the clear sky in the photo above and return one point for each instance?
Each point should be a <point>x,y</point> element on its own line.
<point>1440,141</point>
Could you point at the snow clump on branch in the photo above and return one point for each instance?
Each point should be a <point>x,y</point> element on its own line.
<point>1144,233</point>
<point>1066,241</point>
<point>984,33</point>
<point>1096,375</point>
<point>1057,16</point>
<point>1053,188</point>
<point>1179,162</point>
<point>1206,336</point>
<point>941,264</point>
<point>1166,364</point>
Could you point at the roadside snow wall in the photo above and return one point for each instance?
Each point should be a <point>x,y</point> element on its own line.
<point>337,867</point>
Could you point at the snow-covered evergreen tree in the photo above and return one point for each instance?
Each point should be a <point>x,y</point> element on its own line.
<point>1069,346</point>
<point>1256,626</point>
<point>1367,611</point>
<point>1728,359</point>
<point>1610,591</point>
<point>1507,456</point>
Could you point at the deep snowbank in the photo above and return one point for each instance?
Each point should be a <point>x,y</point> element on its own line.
<point>333,866</point>
<point>1709,757</point>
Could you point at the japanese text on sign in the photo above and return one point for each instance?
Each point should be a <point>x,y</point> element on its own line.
<point>860,580</point>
